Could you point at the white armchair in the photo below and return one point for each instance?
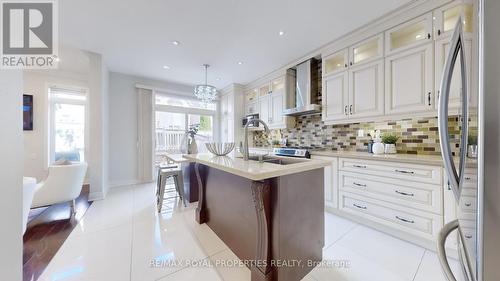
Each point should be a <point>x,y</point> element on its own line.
<point>63,184</point>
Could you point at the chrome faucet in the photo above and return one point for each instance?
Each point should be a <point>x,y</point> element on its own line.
<point>245,143</point>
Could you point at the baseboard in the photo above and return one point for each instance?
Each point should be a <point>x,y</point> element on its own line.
<point>115,184</point>
<point>94,196</point>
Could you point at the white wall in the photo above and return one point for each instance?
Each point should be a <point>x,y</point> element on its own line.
<point>123,124</point>
<point>36,141</point>
<point>11,150</point>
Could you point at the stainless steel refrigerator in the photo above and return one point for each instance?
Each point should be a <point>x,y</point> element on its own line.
<point>473,171</point>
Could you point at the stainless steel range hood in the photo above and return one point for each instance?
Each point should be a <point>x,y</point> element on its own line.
<point>306,90</point>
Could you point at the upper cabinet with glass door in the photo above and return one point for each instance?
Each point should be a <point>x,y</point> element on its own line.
<point>264,90</point>
<point>336,62</point>
<point>278,85</point>
<point>410,34</point>
<point>446,17</point>
<point>366,51</point>
<point>252,95</point>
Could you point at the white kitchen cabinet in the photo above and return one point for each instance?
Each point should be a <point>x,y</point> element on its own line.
<point>353,82</point>
<point>366,90</point>
<point>442,49</point>
<point>409,34</point>
<point>330,181</point>
<point>264,108</point>
<point>336,62</point>
<point>252,95</point>
<point>335,101</point>
<point>446,18</point>
<point>231,111</point>
<point>251,107</point>
<point>409,81</point>
<point>366,51</point>
<point>356,93</point>
<point>277,103</point>
<point>225,105</point>
<point>270,99</point>
<point>227,130</point>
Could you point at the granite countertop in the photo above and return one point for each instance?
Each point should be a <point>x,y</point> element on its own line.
<point>253,169</point>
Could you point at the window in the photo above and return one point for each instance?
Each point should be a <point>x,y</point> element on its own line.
<point>183,102</point>
<point>173,117</point>
<point>68,124</point>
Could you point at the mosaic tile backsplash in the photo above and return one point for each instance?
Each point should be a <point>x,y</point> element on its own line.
<point>416,135</point>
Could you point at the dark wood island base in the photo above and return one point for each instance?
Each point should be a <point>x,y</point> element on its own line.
<point>275,225</point>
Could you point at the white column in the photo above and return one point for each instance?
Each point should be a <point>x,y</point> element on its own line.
<point>98,127</point>
<point>11,175</point>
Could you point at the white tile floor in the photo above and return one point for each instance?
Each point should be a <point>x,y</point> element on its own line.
<point>120,237</point>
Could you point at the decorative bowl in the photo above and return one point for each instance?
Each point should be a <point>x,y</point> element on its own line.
<point>219,148</point>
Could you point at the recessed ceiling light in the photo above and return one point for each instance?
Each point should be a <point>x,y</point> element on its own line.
<point>281,33</point>
<point>240,62</point>
<point>58,59</point>
<point>166,67</point>
<point>176,43</point>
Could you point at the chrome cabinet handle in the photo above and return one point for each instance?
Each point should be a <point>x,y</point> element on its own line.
<point>404,172</point>
<point>404,193</point>
<point>345,110</point>
<point>359,166</point>
<point>350,109</point>
<point>359,206</point>
<point>467,204</point>
<point>456,48</point>
<point>359,184</point>
<point>468,236</point>
<point>428,36</point>
<point>441,249</point>
<point>429,98</point>
<point>405,220</point>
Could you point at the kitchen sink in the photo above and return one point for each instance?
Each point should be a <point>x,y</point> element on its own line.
<point>275,160</point>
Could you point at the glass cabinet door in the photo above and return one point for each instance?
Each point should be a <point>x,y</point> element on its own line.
<point>409,34</point>
<point>252,95</point>
<point>264,90</point>
<point>335,62</point>
<point>446,18</point>
<point>278,85</point>
<point>366,51</point>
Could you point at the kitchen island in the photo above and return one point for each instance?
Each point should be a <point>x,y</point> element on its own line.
<point>271,215</point>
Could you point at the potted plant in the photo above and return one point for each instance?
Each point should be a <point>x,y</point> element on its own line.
<point>276,143</point>
<point>472,146</point>
<point>389,141</point>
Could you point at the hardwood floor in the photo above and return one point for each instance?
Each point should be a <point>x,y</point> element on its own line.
<point>47,230</point>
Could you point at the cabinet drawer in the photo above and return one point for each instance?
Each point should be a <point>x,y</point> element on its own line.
<point>421,196</point>
<point>403,171</point>
<point>469,235</point>
<point>418,223</point>
<point>468,204</point>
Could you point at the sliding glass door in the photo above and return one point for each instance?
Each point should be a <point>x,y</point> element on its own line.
<point>174,116</point>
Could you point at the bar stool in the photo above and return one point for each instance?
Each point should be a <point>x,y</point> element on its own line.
<point>163,175</point>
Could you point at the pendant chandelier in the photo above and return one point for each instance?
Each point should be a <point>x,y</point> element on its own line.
<point>205,92</point>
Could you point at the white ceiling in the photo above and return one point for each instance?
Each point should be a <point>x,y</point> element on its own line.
<point>135,37</point>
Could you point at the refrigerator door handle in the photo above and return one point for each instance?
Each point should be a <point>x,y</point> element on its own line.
<point>441,248</point>
<point>456,48</point>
